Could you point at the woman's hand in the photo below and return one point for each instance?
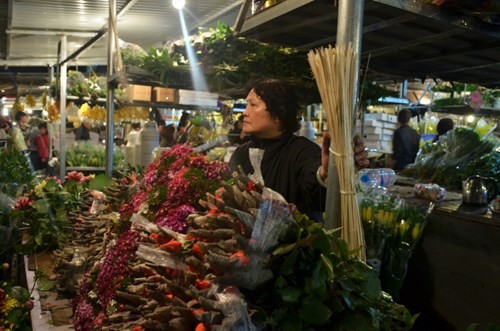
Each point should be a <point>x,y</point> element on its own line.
<point>360,154</point>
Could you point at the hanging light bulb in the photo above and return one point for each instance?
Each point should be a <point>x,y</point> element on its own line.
<point>178,4</point>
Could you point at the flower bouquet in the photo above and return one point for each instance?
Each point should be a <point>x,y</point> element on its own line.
<point>378,211</point>
<point>404,236</point>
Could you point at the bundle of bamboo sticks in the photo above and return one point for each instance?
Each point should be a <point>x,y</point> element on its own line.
<point>334,70</point>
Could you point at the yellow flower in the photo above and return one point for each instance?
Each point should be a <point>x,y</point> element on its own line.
<point>38,189</point>
<point>10,303</point>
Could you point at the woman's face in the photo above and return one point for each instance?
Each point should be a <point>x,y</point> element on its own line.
<point>257,120</point>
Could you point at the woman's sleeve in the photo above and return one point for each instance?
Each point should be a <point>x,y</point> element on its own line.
<point>43,151</point>
<point>313,193</point>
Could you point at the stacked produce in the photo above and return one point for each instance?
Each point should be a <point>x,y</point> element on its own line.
<point>94,114</point>
<point>89,226</point>
<point>87,154</point>
<point>460,153</point>
<point>131,114</point>
<point>240,251</point>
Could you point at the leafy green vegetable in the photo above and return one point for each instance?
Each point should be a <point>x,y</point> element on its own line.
<point>317,289</point>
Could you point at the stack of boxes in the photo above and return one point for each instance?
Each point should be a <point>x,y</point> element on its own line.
<point>178,96</point>
<point>378,131</point>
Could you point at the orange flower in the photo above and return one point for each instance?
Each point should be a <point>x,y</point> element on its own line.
<point>173,246</point>
<point>202,284</point>
<point>240,255</point>
<point>137,328</point>
<point>200,327</point>
<point>198,252</point>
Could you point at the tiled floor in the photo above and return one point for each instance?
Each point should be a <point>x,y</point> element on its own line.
<point>50,312</point>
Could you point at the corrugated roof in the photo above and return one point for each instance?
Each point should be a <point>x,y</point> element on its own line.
<point>405,39</point>
<point>33,28</point>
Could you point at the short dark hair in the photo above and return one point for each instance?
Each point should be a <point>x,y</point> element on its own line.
<point>19,115</point>
<point>42,125</point>
<point>444,125</point>
<point>404,116</point>
<point>281,101</point>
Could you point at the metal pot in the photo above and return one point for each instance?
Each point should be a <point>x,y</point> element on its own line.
<point>479,190</point>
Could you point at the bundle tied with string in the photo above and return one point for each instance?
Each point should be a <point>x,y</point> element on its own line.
<point>335,72</point>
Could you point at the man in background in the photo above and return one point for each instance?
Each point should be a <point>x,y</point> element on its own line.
<point>405,142</point>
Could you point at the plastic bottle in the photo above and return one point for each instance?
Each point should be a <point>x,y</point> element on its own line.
<point>149,139</point>
<point>377,177</point>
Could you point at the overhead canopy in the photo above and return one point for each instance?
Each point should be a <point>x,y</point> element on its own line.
<point>401,39</point>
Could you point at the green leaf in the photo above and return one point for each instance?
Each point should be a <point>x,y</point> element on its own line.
<point>291,323</point>
<point>314,312</point>
<point>328,266</point>
<point>40,206</point>
<point>343,249</point>
<point>99,182</point>
<point>290,294</point>
<point>288,266</point>
<point>283,249</point>
<point>45,284</point>
<point>354,321</point>
<point>371,286</point>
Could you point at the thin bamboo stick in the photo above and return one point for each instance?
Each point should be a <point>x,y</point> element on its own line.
<point>334,70</point>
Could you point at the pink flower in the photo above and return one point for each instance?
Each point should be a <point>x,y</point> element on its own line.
<point>475,100</point>
<point>23,203</point>
<point>75,175</point>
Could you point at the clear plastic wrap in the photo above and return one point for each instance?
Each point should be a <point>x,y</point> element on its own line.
<point>234,308</point>
<point>379,213</point>
<point>430,191</point>
<point>446,163</point>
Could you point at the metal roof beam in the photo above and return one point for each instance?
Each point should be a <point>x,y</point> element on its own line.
<point>129,4</point>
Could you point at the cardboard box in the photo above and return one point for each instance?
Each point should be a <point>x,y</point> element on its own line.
<point>163,94</point>
<point>373,123</point>
<point>198,98</point>
<point>138,92</point>
<point>376,116</point>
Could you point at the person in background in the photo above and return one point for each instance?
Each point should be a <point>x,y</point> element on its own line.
<point>40,159</point>
<point>444,125</point>
<point>133,135</point>
<point>183,127</point>
<point>83,131</point>
<point>5,127</point>
<point>168,135</point>
<point>405,142</point>
<point>291,165</point>
<point>18,132</point>
<point>236,136</point>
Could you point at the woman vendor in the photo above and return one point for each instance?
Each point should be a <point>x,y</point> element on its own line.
<point>289,164</point>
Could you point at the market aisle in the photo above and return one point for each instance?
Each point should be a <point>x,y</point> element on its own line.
<point>50,312</point>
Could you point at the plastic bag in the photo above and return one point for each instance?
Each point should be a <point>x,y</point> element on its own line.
<point>431,192</point>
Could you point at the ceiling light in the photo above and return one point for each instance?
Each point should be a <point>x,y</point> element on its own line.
<point>178,4</point>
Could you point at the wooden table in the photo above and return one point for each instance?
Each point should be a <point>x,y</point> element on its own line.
<point>453,278</point>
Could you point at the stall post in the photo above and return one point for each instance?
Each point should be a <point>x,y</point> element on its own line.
<point>110,105</point>
<point>349,31</point>
<point>62,109</point>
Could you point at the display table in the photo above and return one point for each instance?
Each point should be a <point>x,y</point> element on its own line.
<point>453,277</point>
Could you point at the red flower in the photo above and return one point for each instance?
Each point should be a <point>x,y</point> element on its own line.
<point>173,246</point>
<point>198,252</point>
<point>75,175</point>
<point>200,327</point>
<point>242,258</point>
<point>202,284</point>
<point>23,203</point>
